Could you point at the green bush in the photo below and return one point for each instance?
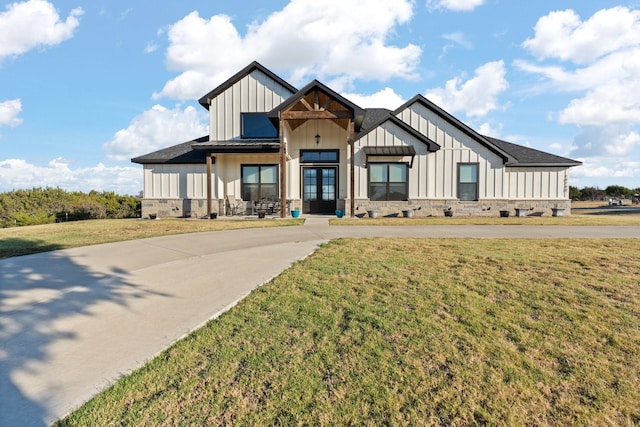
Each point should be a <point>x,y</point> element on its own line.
<point>44,205</point>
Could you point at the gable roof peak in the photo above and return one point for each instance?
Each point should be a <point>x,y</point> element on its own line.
<point>255,65</point>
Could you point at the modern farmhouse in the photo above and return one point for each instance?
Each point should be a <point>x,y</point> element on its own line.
<point>272,146</point>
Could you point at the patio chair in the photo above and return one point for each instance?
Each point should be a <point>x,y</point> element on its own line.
<point>232,206</point>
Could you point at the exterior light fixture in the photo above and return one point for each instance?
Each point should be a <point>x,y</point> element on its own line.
<point>317,138</point>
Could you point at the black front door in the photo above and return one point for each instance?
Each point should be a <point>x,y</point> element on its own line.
<point>319,190</point>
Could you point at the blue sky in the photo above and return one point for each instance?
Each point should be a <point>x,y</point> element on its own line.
<point>87,85</point>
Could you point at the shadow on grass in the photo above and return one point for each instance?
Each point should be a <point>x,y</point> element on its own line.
<point>17,247</point>
<point>37,294</point>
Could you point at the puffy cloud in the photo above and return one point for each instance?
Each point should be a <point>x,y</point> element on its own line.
<point>562,35</point>
<point>20,174</point>
<point>455,5</point>
<point>27,25</point>
<point>611,99</point>
<point>307,38</point>
<point>9,111</point>
<point>156,128</point>
<point>600,60</point>
<point>476,96</point>
<point>386,98</point>
<point>609,141</point>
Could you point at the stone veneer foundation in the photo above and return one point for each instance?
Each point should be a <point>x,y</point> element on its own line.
<point>197,208</point>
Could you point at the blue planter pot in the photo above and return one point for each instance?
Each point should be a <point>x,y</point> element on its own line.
<point>295,213</point>
<point>339,213</point>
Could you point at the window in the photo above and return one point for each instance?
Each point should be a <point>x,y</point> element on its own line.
<point>257,125</point>
<point>468,181</point>
<point>259,182</point>
<point>388,181</point>
<point>319,156</point>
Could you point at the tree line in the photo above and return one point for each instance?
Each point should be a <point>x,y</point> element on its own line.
<point>595,193</point>
<point>46,205</point>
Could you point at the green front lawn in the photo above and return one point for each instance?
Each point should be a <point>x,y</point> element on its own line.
<point>409,332</point>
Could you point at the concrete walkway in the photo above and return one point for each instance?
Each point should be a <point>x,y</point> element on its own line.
<point>73,321</point>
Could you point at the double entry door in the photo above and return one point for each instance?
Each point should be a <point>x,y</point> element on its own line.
<point>319,193</point>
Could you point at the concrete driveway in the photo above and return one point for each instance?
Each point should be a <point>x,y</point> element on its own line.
<point>73,321</point>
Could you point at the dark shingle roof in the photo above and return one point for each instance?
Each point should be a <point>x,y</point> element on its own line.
<point>181,153</point>
<point>525,156</point>
<point>195,151</point>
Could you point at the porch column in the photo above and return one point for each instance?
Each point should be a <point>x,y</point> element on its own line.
<point>352,180</point>
<point>209,185</point>
<point>283,173</point>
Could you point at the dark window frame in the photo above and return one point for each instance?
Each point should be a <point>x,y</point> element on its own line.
<point>320,160</point>
<point>246,193</point>
<point>388,184</point>
<point>245,129</point>
<point>471,186</point>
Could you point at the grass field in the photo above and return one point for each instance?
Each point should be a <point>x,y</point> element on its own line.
<point>409,332</point>
<point>42,238</point>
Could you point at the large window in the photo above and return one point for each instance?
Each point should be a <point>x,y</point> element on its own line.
<point>257,125</point>
<point>388,181</point>
<point>259,182</point>
<point>468,181</point>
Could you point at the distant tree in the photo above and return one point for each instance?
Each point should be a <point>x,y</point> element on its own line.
<point>592,193</point>
<point>574,193</point>
<point>618,191</point>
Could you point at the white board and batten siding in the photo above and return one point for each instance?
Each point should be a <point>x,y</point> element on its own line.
<point>175,181</point>
<point>254,93</point>
<point>496,181</point>
<point>391,135</point>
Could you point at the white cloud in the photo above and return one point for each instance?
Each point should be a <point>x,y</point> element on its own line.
<point>608,141</point>
<point>34,23</point>
<point>621,173</point>
<point>562,35</point>
<point>458,38</point>
<point>307,38</point>
<point>9,111</point>
<point>386,98</point>
<point>610,100</point>
<point>156,128</point>
<point>20,174</point>
<point>476,96</point>
<point>601,62</point>
<point>487,129</point>
<point>455,5</point>
<point>150,47</point>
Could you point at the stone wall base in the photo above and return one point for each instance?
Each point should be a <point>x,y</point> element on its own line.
<point>482,208</point>
<point>197,208</point>
<point>179,208</point>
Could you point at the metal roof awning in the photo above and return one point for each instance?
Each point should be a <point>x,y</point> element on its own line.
<point>239,146</point>
<point>397,151</point>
